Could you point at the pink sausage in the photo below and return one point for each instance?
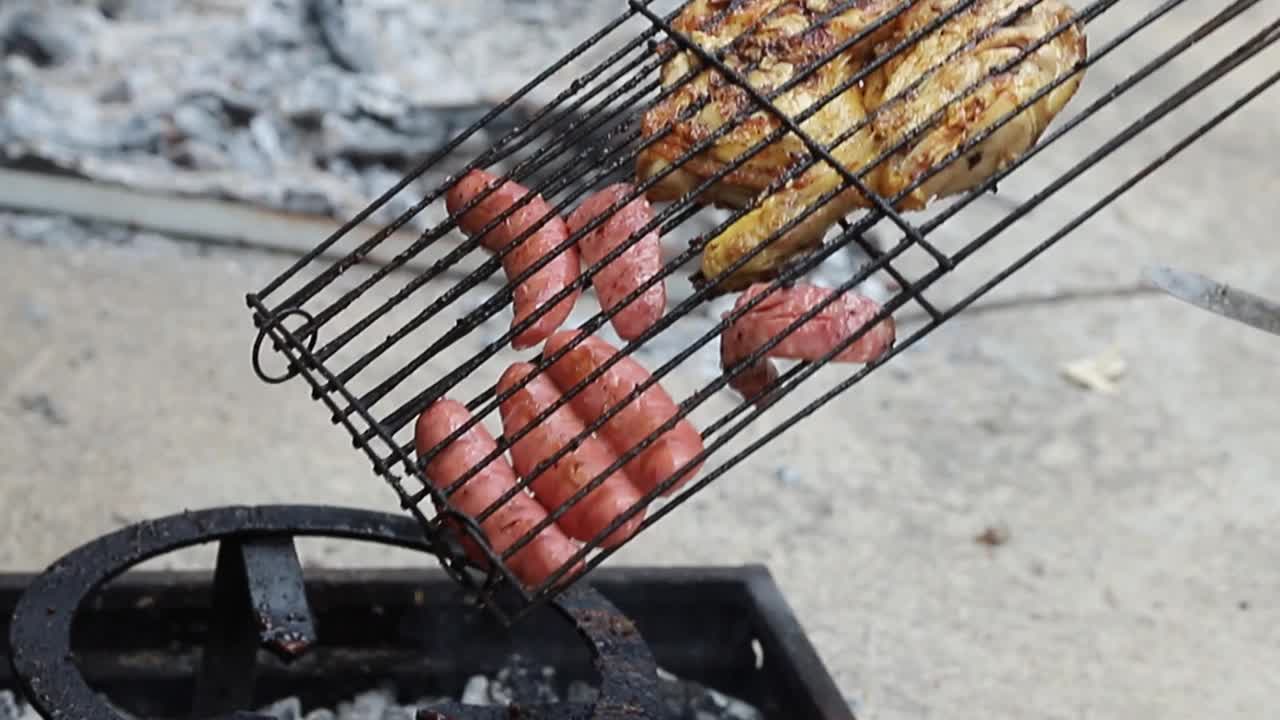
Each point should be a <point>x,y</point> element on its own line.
<point>553,488</point>
<point>830,327</point>
<point>547,551</point>
<point>538,289</point>
<point>637,420</point>
<point>628,271</point>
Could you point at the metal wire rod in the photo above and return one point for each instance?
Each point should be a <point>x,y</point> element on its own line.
<point>760,353</point>
<point>557,146</point>
<point>603,553</point>
<point>687,406</point>
<point>498,300</point>
<point>403,414</point>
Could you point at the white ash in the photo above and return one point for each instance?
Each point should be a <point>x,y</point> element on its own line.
<point>14,707</point>
<point>70,233</point>
<point>519,682</point>
<point>60,231</point>
<point>522,682</point>
<point>313,106</point>
<point>11,708</point>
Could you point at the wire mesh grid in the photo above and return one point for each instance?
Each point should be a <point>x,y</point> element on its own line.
<point>380,341</point>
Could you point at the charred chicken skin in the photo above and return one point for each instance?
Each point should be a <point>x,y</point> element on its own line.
<point>968,68</point>
<point>769,42</point>
<point>988,46</point>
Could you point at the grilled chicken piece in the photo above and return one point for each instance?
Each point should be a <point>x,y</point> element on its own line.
<point>984,37</point>
<point>772,41</point>
<point>968,115</point>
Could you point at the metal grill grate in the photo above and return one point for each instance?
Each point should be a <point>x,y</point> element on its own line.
<point>381,341</point>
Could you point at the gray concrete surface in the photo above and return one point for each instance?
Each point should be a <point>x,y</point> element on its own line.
<point>1138,580</point>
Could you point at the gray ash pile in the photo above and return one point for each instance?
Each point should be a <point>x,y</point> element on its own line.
<point>11,708</point>
<point>311,106</point>
<point>519,682</point>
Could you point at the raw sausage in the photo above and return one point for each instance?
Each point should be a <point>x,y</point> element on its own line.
<point>546,552</point>
<point>635,421</point>
<point>553,488</point>
<point>831,326</point>
<point>538,289</point>
<point>628,271</point>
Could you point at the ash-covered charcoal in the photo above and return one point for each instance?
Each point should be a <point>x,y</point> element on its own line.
<point>582,693</point>
<point>366,140</point>
<point>375,705</point>
<point>287,709</point>
<point>44,36</point>
<point>476,691</point>
<point>347,38</point>
<point>61,231</point>
<point>523,682</point>
<point>520,681</point>
<point>380,704</point>
<point>13,709</point>
<point>279,103</point>
<point>687,700</point>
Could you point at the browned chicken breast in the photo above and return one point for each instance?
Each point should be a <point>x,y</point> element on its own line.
<point>986,36</point>
<point>966,117</point>
<point>777,38</point>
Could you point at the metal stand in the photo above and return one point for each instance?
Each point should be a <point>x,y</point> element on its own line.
<point>259,602</point>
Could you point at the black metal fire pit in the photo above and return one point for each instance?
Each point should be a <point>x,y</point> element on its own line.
<point>190,644</point>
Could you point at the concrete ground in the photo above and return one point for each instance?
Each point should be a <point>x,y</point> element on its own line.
<point>1136,578</point>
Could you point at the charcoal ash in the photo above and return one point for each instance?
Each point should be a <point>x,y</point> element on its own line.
<point>60,231</point>
<point>520,681</point>
<point>40,39</point>
<point>311,106</point>
<point>523,682</point>
<point>67,233</point>
<point>12,708</point>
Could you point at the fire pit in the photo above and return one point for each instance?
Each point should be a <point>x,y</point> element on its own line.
<point>258,633</point>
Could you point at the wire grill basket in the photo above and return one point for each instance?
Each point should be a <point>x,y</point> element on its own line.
<point>385,322</point>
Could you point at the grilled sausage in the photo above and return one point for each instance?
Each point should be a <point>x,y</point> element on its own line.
<point>638,419</point>
<point>628,271</point>
<point>831,326</point>
<point>553,488</point>
<point>538,289</point>
<point>547,551</point>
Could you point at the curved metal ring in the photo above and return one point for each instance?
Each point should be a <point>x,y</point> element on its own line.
<point>277,321</point>
<point>40,633</point>
<point>472,529</point>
